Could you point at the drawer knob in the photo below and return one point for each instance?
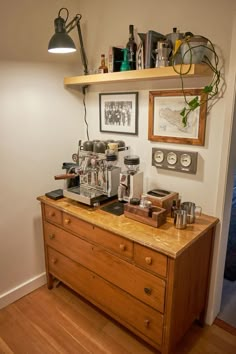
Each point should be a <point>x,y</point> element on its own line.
<point>54,260</point>
<point>51,236</point>
<point>146,323</point>
<point>148,291</point>
<point>122,247</point>
<point>51,213</point>
<point>148,260</point>
<point>67,221</point>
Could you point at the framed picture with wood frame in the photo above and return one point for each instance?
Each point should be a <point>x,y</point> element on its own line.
<point>165,122</point>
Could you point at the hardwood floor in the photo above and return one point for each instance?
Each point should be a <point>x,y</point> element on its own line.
<point>59,321</point>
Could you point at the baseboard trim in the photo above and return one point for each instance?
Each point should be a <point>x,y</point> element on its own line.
<point>22,290</point>
<point>226,326</point>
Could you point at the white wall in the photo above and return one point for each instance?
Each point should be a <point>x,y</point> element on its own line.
<point>41,122</point>
<point>40,125</point>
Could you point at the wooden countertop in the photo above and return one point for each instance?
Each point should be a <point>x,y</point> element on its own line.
<point>166,239</point>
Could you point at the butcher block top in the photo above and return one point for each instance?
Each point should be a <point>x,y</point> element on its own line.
<point>165,239</point>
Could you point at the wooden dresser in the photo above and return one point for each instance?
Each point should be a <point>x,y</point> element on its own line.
<point>154,281</point>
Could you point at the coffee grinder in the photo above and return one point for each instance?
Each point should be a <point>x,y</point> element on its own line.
<point>131,180</point>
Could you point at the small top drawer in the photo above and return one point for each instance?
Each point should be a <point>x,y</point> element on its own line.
<point>118,244</point>
<point>150,260</point>
<point>113,242</point>
<point>78,226</point>
<point>53,214</point>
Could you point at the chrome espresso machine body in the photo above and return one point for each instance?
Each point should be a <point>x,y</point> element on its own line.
<point>98,173</point>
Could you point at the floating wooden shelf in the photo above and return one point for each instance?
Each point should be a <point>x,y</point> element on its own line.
<point>196,70</point>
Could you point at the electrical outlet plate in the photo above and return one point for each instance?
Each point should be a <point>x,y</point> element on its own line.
<point>175,160</point>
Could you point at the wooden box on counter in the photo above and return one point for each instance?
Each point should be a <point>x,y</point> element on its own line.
<point>163,201</point>
<point>153,216</point>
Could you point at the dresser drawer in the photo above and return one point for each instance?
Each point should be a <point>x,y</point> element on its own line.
<point>115,243</point>
<point>53,214</point>
<point>150,260</point>
<point>126,309</point>
<point>145,286</point>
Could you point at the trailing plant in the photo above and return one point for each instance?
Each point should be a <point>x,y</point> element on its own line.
<point>211,59</point>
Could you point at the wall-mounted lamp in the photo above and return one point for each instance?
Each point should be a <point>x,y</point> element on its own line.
<point>61,41</point>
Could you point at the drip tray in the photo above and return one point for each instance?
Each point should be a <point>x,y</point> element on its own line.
<point>116,208</point>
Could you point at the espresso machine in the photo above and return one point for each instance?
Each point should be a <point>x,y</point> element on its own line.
<point>98,173</point>
<point>131,180</point>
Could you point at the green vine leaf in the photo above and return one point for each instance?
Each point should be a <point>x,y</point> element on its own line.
<point>182,113</point>
<point>208,89</point>
<point>194,103</point>
<point>184,120</point>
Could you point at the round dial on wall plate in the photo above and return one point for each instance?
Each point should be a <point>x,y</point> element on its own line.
<point>159,156</point>
<point>185,160</point>
<point>171,158</point>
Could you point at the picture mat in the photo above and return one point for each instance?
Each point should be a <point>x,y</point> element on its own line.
<point>168,121</point>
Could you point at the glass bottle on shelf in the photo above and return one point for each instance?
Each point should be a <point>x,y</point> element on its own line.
<point>132,48</point>
<point>103,68</point>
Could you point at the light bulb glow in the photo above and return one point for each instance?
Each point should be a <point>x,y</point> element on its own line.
<point>62,50</point>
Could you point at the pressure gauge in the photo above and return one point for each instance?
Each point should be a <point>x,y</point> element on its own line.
<point>185,160</point>
<point>172,158</point>
<point>159,156</point>
<point>175,160</point>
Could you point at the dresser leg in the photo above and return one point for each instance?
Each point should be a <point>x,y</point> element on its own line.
<point>49,281</point>
<point>201,320</point>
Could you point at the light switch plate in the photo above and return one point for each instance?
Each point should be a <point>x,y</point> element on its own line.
<point>175,160</point>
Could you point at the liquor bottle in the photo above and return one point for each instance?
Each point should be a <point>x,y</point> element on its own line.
<point>103,68</point>
<point>132,48</point>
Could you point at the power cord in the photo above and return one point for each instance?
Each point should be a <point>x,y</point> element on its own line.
<point>85,110</point>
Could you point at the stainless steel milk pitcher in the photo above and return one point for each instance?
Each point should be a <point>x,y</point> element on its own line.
<point>192,210</point>
<point>180,219</point>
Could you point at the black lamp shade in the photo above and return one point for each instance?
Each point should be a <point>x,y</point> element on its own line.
<point>61,41</point>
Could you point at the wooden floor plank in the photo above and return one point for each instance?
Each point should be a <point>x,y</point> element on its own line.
<point>211,339</point>
<point>4,347</point>
<point>72,330</point>
<point>60,321</point>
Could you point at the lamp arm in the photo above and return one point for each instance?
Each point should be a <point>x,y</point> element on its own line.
<point>69,27</point>
<point>83,55</point>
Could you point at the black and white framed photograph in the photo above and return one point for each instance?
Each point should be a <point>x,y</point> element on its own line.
<point>118,112</point>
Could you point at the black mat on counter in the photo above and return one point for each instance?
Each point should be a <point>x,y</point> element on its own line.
<point>116,208</point>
